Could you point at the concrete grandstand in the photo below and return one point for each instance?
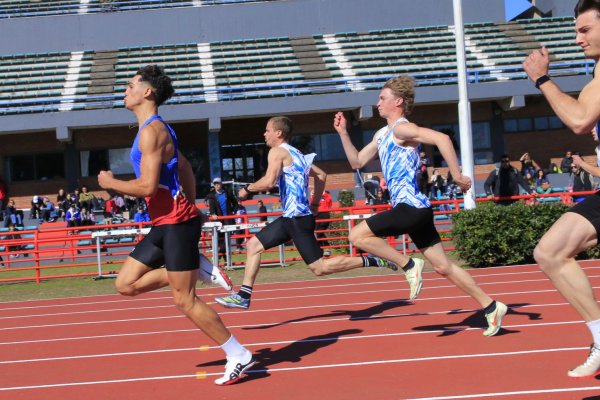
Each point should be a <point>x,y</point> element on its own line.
<point>235,63</point>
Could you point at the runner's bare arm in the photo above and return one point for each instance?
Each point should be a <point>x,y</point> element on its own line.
<point>357,159</point>
<point>186,178</point>
<point>152,143</point>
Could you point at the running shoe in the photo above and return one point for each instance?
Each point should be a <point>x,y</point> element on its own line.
<point>494,319</point>
<point>233,301</point>
<point>208,273</point>
<point>234,369</point>
<point>590,367</point>
<point>414,277</point>
<point>383,263</point>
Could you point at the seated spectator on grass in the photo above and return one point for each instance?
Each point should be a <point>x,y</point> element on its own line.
<point>141,215</point>
<point>12,215</point>
<point>542,184</point>
<point>87,217</point>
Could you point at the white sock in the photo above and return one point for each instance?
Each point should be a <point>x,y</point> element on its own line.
<point>594,327</point>
<point>233,349</point>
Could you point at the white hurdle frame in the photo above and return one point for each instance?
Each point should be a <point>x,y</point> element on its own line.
<point>113,233</point>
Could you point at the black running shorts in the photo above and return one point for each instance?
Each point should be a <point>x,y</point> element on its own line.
<point>173,245</point>
<point>299,229</point>
<point>417,222</point>
<point>590,210</point>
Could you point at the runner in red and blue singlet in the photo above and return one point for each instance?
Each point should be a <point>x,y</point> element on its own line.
<point>165,178</point>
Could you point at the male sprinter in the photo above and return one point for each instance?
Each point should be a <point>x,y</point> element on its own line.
<point>165,178</point>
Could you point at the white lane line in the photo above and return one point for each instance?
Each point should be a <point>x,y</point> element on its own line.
<point>326,279</point>
<point>268,324</point>
<point>270,310</point>
<point>137,308</point>
<point>310,367</point>
<point>354,337</point>
<point>517,393</point>
<point>167,296</point>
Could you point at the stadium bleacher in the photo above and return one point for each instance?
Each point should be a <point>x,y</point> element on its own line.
<point>282,66</point>
<point>40,8</point>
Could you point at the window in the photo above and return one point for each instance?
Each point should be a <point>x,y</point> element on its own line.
<point>482,142</point>
<point>116,160</point>
<point>542,123</point>
<point>37,167</point>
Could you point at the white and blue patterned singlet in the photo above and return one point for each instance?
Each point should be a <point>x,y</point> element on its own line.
<point>399,165</point>
<point>293,183</point>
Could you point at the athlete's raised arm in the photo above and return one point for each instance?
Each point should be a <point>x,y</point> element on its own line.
<point>357,159</point>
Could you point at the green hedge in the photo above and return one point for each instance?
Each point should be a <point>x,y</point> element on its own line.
<point>503,235</point>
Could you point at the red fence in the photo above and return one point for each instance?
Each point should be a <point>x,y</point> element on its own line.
<point>53,251</point>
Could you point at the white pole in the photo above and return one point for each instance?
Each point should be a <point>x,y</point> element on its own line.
<point>464,107</point>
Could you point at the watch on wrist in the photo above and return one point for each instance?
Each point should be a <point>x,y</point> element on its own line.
<point>541,80</point>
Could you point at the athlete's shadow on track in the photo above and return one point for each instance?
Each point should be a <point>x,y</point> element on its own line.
<point>293,353</point>
<point>353,315</point>
<point>476,320</point>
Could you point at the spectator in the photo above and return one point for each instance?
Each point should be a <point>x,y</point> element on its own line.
<point>14,236</point>
<point>529,179</point>
<point>422,174</point>
<point>86,199</point>
<point>262,210</point>
<point>141,215</point>
<point>47,211</point>
<point>241,210</point>
<point>580,180</point>
<point>87,217</point>
<point>12,215</point>
<point>528,165</point>
<point>567,162</point>
<point>505,181</point>
<point>73,216</point>
<point>325,204</point>
<point>371,185</point>
<point>437,184</point>
<point>542,184</point>
<point>452,189</point>
<point>36,206</point>
<point>3,196</point>
<point>62,203</point>
<point>380,198</point>
<point>221,203</point>
<point>74,198</point>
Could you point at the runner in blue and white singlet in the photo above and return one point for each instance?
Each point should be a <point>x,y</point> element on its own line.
<point>399,166</point>
<point>293,183</point>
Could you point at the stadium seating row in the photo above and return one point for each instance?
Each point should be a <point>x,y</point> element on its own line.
<point>38,8</point>
<point>282,66</point>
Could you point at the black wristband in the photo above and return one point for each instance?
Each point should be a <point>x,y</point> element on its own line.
<point>248,190</point>
<point>541,80</point>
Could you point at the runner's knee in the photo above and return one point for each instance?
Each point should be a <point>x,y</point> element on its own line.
<point>184,302</point>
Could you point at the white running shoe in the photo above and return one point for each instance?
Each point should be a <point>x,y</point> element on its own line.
<point>590,367</point>
<point>494,319</point>
<point>414,276</point>
<point>235,368</point>
<point>208,273</point>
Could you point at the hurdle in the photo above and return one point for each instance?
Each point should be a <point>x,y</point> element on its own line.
<point>99,236</point>
<point>353,217</point>
<point>229,229</point>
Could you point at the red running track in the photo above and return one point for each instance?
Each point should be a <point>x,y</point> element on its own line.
<point>336,338</point>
